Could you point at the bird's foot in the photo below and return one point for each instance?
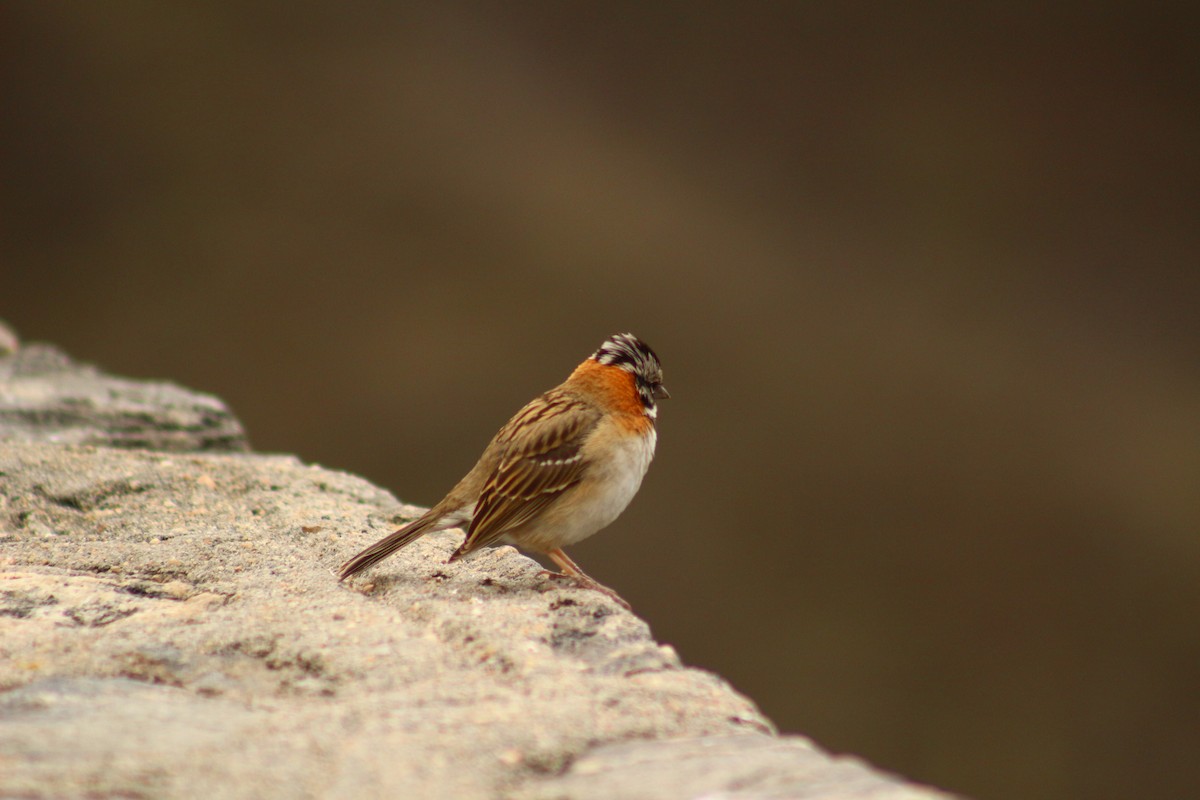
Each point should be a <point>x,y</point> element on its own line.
<point>585,582</point>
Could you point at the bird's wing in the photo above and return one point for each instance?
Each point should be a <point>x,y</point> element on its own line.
<point>539,459</point>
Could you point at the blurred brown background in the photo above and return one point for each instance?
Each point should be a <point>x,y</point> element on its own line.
<point>924,280</point>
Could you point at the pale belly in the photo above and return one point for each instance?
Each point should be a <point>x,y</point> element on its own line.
<point>593,504</point>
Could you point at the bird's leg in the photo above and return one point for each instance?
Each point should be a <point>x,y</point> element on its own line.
<point>571,570</point>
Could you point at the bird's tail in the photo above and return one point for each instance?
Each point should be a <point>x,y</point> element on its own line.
<point>427,523</point>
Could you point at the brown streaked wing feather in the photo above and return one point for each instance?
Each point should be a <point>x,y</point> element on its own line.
<point>539,462</point>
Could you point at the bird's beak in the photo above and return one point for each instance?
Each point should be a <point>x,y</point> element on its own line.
<point>660,393</point>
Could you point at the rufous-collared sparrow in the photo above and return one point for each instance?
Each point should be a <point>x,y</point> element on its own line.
<point>565,466</point>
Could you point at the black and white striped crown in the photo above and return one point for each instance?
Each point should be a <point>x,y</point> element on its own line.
<point>630,353</point>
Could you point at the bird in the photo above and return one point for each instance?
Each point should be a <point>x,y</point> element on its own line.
<point>565,466</point>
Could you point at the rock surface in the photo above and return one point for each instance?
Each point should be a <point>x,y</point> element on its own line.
<point>170,627</point>
<point>46,397</point>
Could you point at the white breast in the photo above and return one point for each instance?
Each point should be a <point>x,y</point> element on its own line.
<point>610,485</point>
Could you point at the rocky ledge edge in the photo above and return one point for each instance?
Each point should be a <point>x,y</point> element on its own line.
<point>170,627</point>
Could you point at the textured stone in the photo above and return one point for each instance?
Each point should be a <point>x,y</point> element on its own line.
<point>170,626</point>
<point>45,396</point>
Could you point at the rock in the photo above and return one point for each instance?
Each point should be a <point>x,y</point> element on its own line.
<point>170,626</point>
<point>46,397</point>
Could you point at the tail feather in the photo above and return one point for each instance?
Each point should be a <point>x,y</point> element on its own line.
<point>393,542</point>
